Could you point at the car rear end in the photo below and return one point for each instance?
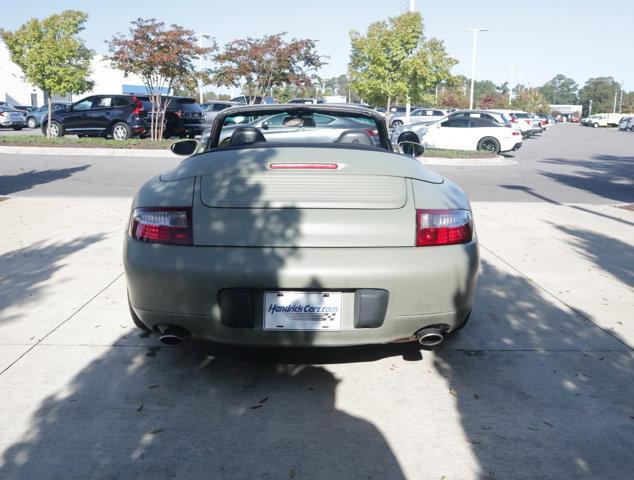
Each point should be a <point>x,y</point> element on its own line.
<point>277,246</point>
<point>524,122</point>
<point>623,124</point>
<point>184,118</point>
<point>12,118</point>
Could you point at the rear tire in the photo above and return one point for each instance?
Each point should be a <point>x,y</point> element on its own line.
<point>31,122</point>
<point>595,125</point>
<point>121,131</point>
<point>57,130</point>
<point>137,321</point>
<point>489,144</point>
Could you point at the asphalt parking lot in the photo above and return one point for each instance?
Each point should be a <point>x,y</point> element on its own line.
<point>539,385</point>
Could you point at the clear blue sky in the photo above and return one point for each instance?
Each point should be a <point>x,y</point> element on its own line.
<point>544,37</point>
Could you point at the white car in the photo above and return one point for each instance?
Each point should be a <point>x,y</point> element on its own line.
<point>470,134</point>
<point>522,119</point>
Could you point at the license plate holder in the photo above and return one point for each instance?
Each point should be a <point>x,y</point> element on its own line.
<point>302,311</point>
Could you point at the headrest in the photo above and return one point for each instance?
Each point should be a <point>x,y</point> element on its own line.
<point>358,137</point>
<point>245,136</point>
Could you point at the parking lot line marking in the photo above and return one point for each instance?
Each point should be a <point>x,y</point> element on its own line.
<point>62,323</point>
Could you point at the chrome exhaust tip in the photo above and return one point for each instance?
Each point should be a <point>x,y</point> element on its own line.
<point>430,337</point>
<point>171,334</point>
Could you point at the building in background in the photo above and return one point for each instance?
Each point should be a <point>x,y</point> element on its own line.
<point>16,91</point>
<point>567,111</point>
<point>13,89</point>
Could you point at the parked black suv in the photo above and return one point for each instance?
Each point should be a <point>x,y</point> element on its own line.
<point>125,116</point>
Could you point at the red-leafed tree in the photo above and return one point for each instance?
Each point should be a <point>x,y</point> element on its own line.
<point>261,64</point>
<point>162,56</point>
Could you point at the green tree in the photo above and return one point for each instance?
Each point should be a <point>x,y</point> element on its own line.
<point>560,90</point>
<point>164,57</point>
<point>531,100</point>
<point>601,91</point>
<point>628,103</point>
<point>263,64</point>
<point>393,61</point>
<point>51,55</point>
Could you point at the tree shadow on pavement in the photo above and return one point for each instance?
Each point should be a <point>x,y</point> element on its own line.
<point>25,181</point>
<point>542,392</point>
<point>186,413</point>
<point>608,253</point>
<point>25,271</point>
<point>606,176</point>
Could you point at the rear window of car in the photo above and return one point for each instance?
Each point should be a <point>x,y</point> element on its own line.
<point>520,115</point>
<point>216,107</point>
<point>187,105</point>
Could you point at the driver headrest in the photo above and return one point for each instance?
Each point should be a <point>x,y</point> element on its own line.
<point>245,136</point>
<point>358,137</point>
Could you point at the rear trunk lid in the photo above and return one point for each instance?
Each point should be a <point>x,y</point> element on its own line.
<point>367,201</point>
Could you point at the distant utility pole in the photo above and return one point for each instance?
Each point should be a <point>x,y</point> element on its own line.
<point>475,32</point>
<point>621,101</point>
<point>513,67</point>
<point>408,105</point>
<point>198,80</point>
<point>616,95</point>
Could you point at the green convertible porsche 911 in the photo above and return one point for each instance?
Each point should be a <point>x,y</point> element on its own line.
<point>298,225</point>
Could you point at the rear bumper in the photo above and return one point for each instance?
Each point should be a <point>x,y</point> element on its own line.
<point>180,286</point>
<point>12,123</point>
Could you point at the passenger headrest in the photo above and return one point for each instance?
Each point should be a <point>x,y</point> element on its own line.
<point>308,122</point>
<point>245,136</point>
<point>358,137</point>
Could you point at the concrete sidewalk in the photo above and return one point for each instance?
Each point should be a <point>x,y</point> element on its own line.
<point>538,385</point>
<point>90,152</point>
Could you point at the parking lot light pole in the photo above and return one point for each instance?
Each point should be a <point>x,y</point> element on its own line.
<point>199,82</point>
<point>513,67</point>
<point>473,59</point>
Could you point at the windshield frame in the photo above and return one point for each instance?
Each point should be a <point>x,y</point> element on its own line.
<point>299,110</point>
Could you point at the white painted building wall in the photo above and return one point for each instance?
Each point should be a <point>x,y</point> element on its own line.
<point>109,80</point>
<point>16,91</point>
<point>13,89</point>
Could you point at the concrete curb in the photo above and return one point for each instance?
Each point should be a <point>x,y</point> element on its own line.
<point>498,161</point>
<point>83,152</point>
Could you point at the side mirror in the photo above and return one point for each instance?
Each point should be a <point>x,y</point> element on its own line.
<point>411,149</point>
<point>186,147</point>
<point>265,125</point>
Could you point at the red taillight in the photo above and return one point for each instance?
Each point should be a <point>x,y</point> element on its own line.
<point>138,110</point>
<point>443,227</point>
<point>373,132</point>
<point>515,132</point>
<point>2,114</point>
<point>513,120</point>
<point>304,166</point>
<point>162,225</point>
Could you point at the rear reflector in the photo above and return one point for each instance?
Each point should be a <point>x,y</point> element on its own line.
<point>162,225</point>
<point>443,227</point>
<point>305,166</point>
